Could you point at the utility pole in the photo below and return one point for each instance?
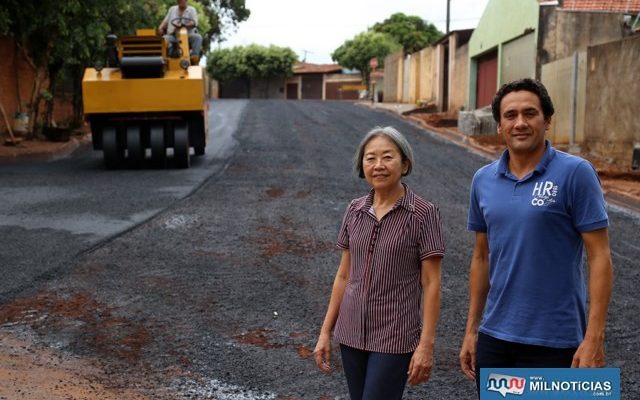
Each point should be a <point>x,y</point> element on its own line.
<point>448,15</point>
<point>304,58</point>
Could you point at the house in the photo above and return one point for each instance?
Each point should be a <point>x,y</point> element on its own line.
<point>501,48</point>
<point>308,82</point>
<point>452,70</point>
<point>435,75</point>
<point>583,51</point>
<point>603,119</point>
<point>245,88</point>
<point>411,78</point>
<point>323,82</point>
<point>611,125</point>
<point>394,78</point>
<point>515,38</point>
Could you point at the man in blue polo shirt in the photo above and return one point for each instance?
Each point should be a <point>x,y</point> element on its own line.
<point>533,211</point>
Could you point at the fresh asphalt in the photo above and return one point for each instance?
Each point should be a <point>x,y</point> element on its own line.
<point>52,211</point>
<point>222,272</point>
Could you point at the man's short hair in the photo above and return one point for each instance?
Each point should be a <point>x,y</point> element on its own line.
<point>530,85</point>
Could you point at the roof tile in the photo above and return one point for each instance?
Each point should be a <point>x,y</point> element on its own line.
<point>307,68</point>
<point>618,6</point>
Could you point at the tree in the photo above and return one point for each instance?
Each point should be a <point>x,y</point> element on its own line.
<point>412,32</point>
<point>357,52</point>
<point>225,65</point>
<point>250,62</point>
<point>220,16</point>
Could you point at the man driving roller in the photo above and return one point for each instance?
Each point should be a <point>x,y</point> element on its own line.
<point>177,16</point>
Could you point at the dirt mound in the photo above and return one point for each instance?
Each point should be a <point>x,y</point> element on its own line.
<point>440,120</point>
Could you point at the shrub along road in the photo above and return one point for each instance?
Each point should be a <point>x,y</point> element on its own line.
<point>220,294</point>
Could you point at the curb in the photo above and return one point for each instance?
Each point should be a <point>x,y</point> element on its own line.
<point>54,151</point>
<point>459,139</point>
<point>623,201</point>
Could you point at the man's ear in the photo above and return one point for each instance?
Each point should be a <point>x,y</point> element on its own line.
<point>547,124</point>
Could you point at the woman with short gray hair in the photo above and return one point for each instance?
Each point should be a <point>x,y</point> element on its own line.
<point>398,139</point>
<point>385,300</point>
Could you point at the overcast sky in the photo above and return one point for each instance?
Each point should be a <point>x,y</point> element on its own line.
<point>315,28</point>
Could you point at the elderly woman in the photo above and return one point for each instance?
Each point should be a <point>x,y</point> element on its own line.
<point>385,299</point>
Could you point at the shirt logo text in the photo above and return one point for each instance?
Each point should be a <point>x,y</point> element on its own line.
<point>544,194</point>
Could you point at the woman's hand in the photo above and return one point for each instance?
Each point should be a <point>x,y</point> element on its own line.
<point>322,353</point>
<point>420,365</point>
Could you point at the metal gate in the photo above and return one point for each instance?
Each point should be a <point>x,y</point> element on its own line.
<point>312,86</point>
<point>292,91</point>
<point>487,79</point>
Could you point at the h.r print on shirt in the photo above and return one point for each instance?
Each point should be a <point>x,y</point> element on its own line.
<point>544,194</point>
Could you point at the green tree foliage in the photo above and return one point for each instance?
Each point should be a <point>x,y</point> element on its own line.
<point>250,62</point>
<point>400,31</point>
<point>226,65</point>
<point>412,32</point>
<point>4,20</point>
<point>357,52</point>
<point>221,16</point>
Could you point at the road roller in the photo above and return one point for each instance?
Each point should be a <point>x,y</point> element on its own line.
<point>146,102</point>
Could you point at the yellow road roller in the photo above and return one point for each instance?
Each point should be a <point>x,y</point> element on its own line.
<point>146,105</point>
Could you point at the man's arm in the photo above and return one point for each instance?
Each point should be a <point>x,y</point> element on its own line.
<point>478,289</point>
<point>590,353</point>
<point>162,29</point>
<point>193,15</point>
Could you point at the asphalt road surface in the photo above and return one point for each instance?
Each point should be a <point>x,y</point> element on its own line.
<point>212,282</point>
<point>52,211</point>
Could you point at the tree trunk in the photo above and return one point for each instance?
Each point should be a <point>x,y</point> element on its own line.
<point>40,77</point>
<point>78,111</point>
<point>365,73</point>
<point>34,103</point>
<point>16,52</point>
<point>53,72</point>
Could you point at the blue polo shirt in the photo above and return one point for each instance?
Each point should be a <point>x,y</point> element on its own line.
<point>537,291</point>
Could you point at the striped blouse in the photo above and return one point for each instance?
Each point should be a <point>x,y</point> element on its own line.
<point>381,305</point>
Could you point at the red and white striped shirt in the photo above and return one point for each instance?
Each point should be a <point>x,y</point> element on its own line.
<point>381,305</point>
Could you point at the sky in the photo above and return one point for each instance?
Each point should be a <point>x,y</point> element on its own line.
<point>315,28</point>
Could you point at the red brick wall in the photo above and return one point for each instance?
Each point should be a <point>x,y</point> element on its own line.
<point>14,67</point>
